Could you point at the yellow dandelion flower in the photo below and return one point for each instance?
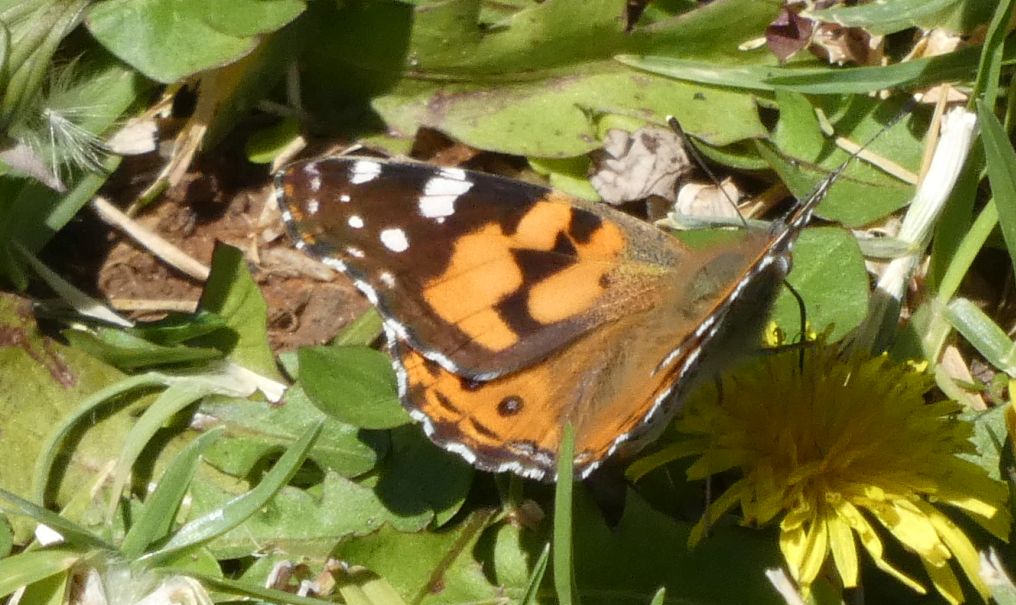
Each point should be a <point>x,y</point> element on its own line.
<point>835,451</point>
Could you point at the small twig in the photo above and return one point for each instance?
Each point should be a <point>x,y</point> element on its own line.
<point>886,165</point>
<point>151,241</point>
<point>147,305</point>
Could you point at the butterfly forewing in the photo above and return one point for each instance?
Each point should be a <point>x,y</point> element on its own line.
<point>482,274</point>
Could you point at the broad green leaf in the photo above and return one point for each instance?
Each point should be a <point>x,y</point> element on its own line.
<point>257,430</point>
<point>41,383</point>
<point>353,384</point>
<point>883,17</point>
<point>484,86</point>
<point>89,407</point>
<point>554,113</point>
<point>798,133</point>
<point>234,512</point>
<point>648,549</point>
<point>431,567</point>
<point>360,586</point>
<point>203,35</point>
<point>419,477</point>
<point>33,566</point>
<point>828,271</point>
<point>128,352</point>
<point>231,293</point>
<point>161,505</point>
<point>308,523</point>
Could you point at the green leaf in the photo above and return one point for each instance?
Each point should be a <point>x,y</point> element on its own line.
<point>170,402</point>
<point>177,328</point>
<point>828,271</point>
<point>262,594</point>
<point>264,145</point>
<point>128,352</point>
<point>308,523</point>
<point>203,35</point>
<point>1000,159</point>
<point>161,506</point>
<point>485,86</point>
<point>363,330</point>
<point>258,430</point>
<point>360,586</point>
<point>419,477</point>
<point>648,549</point>
<point>984,334</point>
<point>33,566</point>
<point>354,384</point>
<point>536,579</point>
<point>88,407</point>
<point>555,113</point>
<point>232,293</point>
<point>798,133</point>
<point>883,17</point>
<point>237,510</point>
<point>430,567</point>
<point>72,533</point>
<point>989,68</point>
<point>564,573</point>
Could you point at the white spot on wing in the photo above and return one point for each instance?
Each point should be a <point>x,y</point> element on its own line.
<point>387,278</point>
<point>439,195</point>
<point>344,198</point>
<point>287,216</point>
<point>312,206</point>
<point>354,252</point>
<point>395,239</point>
<point>364,171</point>
<point>315,183</point>
<point>355,222</point>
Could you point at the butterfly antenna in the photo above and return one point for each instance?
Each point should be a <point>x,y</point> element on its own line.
<point>694,153</point>
<point>803,316</point>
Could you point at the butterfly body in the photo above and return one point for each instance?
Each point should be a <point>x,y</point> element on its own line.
<point>512,309</point>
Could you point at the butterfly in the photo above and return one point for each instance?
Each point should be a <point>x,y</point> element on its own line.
<point>512,309</point>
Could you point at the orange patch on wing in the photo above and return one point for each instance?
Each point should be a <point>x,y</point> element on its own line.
<point>539,227</point>
<point>482,270</point>
<point>477,414</point>
<point>566,294</point>
<point>488,329</point>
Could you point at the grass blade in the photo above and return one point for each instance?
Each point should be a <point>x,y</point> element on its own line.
<point>985,335</point>
<point>1000,159</point>
<point>237,510</point>
<point>564,575</point>
<point>30,567</point>
<point>177,397</point>
<point>50,449</point>
<point>160,508</point>
<point>71,532</point>
<point>536,578</point>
